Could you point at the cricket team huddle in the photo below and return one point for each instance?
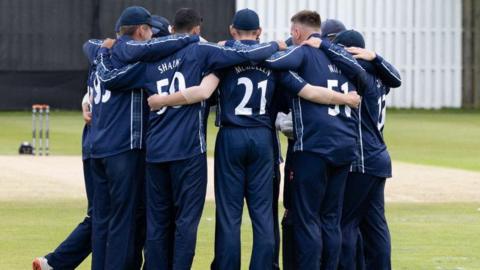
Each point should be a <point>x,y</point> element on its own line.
<point>150,92</point>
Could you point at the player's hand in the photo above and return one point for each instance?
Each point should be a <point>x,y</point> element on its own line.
<point>155,102</point>
<point>361,53</point>
<point>353,99</point>
<point>313,42</point>
<point>222,43</point>
<point>87,115</point>
<point>282,46</point>
<point>108,43</point>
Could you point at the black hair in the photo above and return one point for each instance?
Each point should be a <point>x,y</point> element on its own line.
<point>186,19</point>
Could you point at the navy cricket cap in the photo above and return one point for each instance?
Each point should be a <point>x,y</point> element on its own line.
<point>117,26</point>
<point>332,27</point>
<point>135,15</point>
<point>246,19</point>
<point>289,41</point>
<point>350,38</point>
<point>160,26</point>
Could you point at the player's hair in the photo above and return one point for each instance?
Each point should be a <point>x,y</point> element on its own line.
<point>307,17</point>
<point>186,19</point>
<point>129,30</point>
<point>246,32</point>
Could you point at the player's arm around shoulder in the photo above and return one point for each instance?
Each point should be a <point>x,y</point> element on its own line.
<point>317,94</point>
<point>154,49</point>
<point>387,72</point>
<point>339,56</point>
<point>125,78</point>
<point>216,57</point>
<point>289,59</point>
<point>91,48</point>
<point>190,95</point>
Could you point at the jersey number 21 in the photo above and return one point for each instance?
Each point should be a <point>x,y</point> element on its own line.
<point>241,109</point>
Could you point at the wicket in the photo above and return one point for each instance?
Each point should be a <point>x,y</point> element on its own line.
<point>38,111</point>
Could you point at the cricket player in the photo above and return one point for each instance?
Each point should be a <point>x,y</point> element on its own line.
<point>176,160</point>
<point>118,127</point>
<point>364,203</point>
<point>325,139</point>
<point>284,123</point>
<point>244,155</point>
<point>77,246</point>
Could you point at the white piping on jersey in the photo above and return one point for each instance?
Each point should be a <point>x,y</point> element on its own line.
<point>141,118</point>
<point>154,41</point>
<point>234,49</point>
<point>200,129</point>
<point>298,125</point>
<point>301,122</point>
<point>95,41</point>
<point>391,73</point>
<point>131,121</point>
<point>350,60</point>
<point>296,76</point>
<point>218,120</point>
<point>101,63</point>
<point>283,56</point>
<point>361,137</point>
<point>123,70</point>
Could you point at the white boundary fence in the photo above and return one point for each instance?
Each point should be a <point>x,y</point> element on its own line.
<point>422,38</point>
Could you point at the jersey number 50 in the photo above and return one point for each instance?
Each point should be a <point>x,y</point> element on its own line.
<point>177,77</point>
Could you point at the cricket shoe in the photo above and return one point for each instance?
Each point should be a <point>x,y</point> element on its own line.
<point>40,263</point>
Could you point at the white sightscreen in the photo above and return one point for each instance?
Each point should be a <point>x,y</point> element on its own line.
<point>422,38</point>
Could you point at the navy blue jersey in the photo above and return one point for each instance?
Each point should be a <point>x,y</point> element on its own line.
<point>120,118</point>
<point>178,132</point>
<point>90,52</point>
<point>326,130</point>
<point>126,50</point>
<point>373,157</point>
<point>386,72</point>
<point>246,92</point>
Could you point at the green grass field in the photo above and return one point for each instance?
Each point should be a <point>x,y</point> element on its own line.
<point>448,138</point>
<point>424,236</point>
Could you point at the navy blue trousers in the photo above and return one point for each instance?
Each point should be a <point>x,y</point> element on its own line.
<point>244,170</point>
<point>364,212</point>
<point>77,246</point>
<point>118,221</point>
<point>175,198</point>
<point>288,250</point>
<point>277,178</point>
<point>317,209</point>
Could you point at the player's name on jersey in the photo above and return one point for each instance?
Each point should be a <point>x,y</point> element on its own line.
<point>334,69</point>
<point>169,65</point>
<point>239,69</point>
